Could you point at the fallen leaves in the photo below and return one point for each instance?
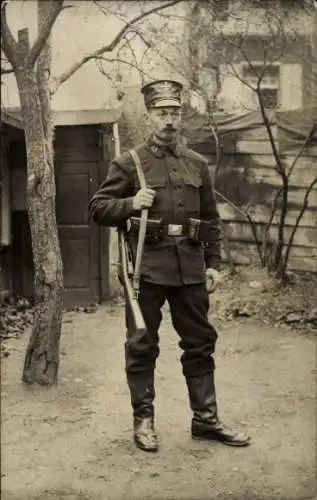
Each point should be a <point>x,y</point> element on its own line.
<point>253,295</point>
<point>16,315</point>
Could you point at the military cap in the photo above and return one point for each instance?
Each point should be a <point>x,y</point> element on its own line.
<point>161,93</point>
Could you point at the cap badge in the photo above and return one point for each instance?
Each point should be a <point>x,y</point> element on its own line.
<point>167,86</point>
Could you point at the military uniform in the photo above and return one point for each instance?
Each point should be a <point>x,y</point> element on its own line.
<point>173,266</point>
<point>173,269</point>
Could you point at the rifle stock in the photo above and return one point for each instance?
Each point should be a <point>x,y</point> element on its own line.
<point>140,327</point>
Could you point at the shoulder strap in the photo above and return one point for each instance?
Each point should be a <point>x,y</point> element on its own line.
<point>136,160</point>
<point>143,223</point>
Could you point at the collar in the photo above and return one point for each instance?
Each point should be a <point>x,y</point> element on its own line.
<point>159,150</point>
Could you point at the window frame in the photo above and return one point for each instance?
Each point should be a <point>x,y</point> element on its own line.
<point>265,85</point>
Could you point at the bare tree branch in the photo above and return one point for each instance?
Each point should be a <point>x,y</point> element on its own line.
<point>52,13</point>
<point>279,165</point>
<point>282,172</point>
<point>251,221</point>
<point>102,70</point>
<point>278,162</point>
<point>302,149</point>
<point>251,65</point>
<point>148,43</point>
<point>224,198</point>
<point>294,162</point>
<point>292,236</point>
<point>238,77</point>
<point>134,56</point>
<point>126,41</point>
<point>122,61</point>
<point>280,190</point>
<point>9,44</point>
<point>109,47</point>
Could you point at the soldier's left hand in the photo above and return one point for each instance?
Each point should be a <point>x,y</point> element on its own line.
<point>213,279</point>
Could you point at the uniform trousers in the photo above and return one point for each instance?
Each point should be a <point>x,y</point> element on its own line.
<point>189,305</point>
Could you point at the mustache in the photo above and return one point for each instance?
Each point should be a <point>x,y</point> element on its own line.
<point>170,129</point>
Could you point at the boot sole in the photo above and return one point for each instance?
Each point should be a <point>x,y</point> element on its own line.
<point>148,450</point>
<point>223,441</point>
<point>153,449</point>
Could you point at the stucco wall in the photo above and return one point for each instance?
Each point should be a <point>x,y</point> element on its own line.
<point>84,28</point>
<point>78,31</point>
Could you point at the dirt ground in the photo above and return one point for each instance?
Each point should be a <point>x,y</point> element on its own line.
<point>74,442</point>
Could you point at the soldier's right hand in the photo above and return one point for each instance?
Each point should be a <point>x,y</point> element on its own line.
<point>143,199</point>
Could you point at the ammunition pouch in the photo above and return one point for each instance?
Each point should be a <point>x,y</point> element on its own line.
<point>202,231</point>
<point>154,228</point>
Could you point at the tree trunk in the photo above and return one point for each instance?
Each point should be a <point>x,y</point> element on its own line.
<point>42,356</point>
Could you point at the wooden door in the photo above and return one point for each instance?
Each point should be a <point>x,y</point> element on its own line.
<point>77,160</point>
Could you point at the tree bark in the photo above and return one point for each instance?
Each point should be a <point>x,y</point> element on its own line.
<point>42,356</point>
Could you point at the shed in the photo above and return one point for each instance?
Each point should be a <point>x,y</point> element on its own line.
<point>83,147</point>
<point>246,178</point>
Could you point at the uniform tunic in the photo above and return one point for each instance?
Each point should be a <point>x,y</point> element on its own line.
<point>183,186</point>
<point>172,269</point>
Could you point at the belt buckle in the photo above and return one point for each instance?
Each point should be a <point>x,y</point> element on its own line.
<point>175,230</point>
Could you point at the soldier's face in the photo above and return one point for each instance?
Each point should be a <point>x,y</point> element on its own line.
<point>165,122</point>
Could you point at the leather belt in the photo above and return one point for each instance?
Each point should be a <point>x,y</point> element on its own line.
<point>195,230</point>
<point>166,229</point>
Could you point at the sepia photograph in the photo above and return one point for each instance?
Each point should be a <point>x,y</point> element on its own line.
<point>158,250</point>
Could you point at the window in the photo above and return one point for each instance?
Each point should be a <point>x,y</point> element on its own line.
<point>269,98</point>
<point>221,9</point>
<point>270,83</point>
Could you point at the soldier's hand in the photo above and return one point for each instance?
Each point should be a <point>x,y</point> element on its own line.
<point>213,278</point>
<point>143,199</point>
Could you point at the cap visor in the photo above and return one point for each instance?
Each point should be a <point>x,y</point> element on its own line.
<point>165,103</point>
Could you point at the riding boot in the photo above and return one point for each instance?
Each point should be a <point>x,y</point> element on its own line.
<point>205,422</point>
<point>142,393</point>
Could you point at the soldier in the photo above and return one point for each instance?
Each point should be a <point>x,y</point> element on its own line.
<point>180,263</point>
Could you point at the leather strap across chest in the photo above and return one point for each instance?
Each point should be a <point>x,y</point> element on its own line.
<point>143,223</point>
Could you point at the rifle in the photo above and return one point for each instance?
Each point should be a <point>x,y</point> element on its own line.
<point>131,296</point>
<point>132,290</point>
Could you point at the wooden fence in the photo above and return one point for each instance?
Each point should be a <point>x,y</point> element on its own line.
<point>248,178</point>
